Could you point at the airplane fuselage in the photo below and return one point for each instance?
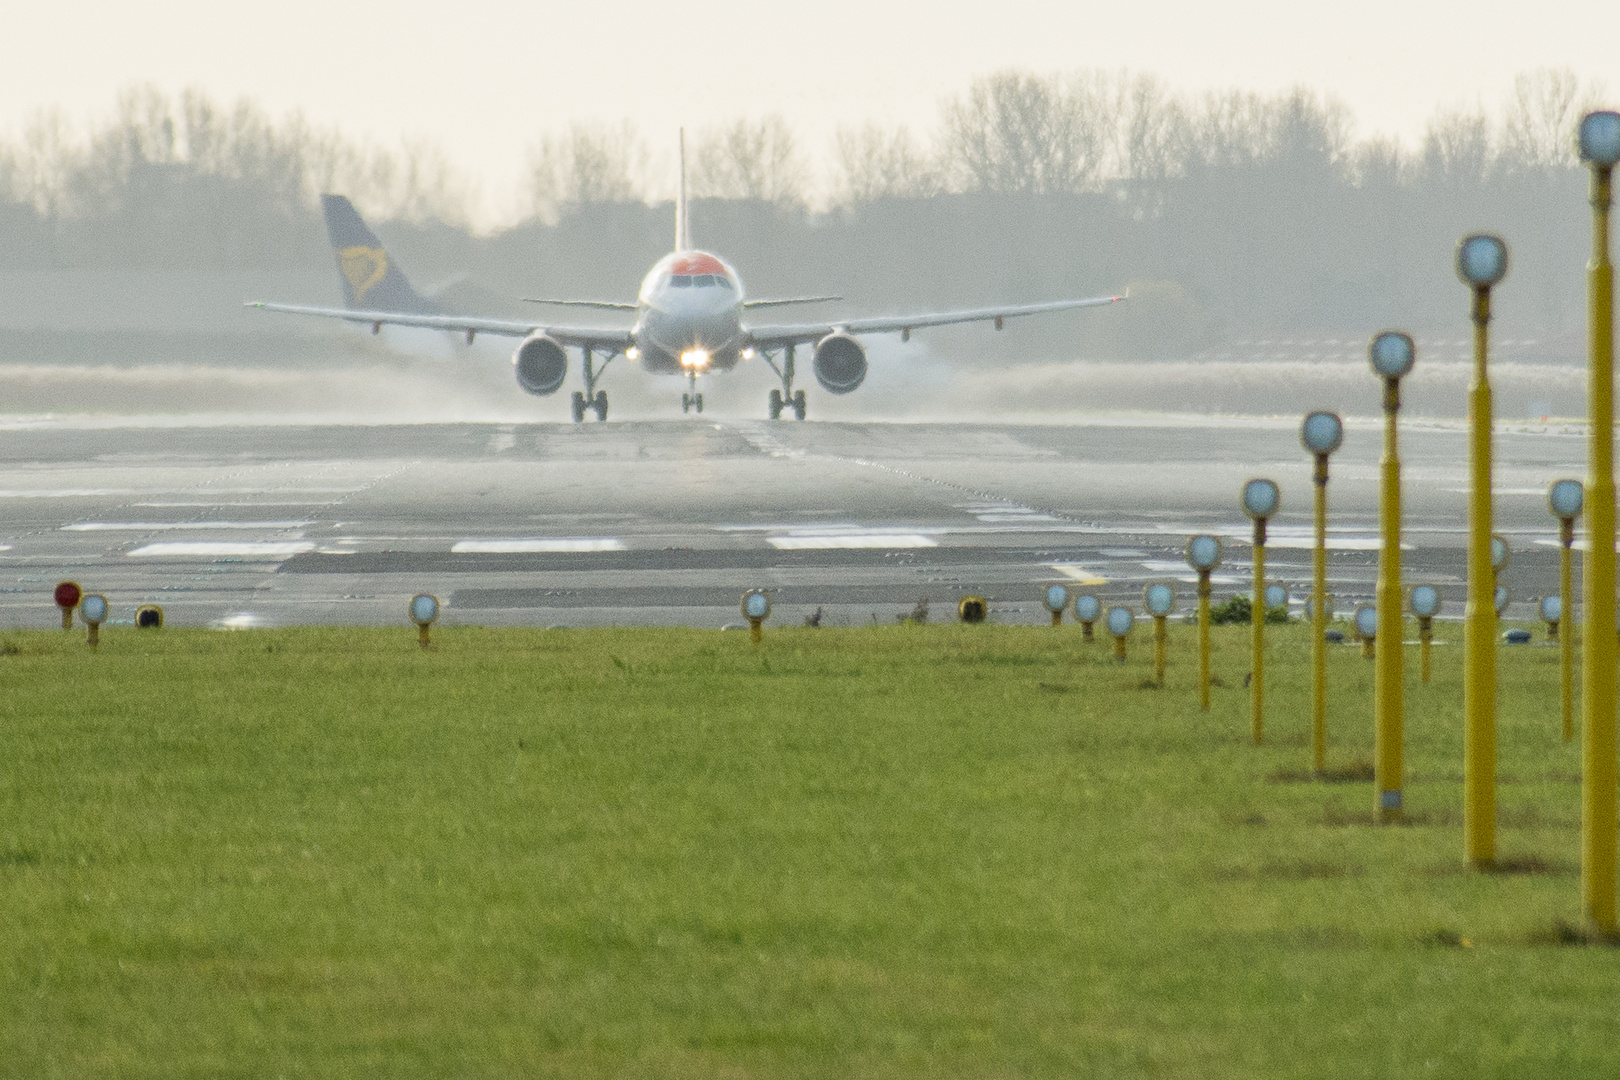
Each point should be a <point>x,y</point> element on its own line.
<point>689,316</point>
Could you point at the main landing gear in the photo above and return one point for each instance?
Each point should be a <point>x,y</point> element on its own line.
<point>787,397</point>
<point>592,399</point>
<point>796,403</point>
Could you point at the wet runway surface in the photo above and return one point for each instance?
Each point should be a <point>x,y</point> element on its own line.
<point>668,522</point>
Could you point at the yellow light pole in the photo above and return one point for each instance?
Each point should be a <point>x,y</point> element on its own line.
<point>1321,433</point>
<point>756,608</point>
<point>1392,355</point>
<point>1087,610</point>
<point>1600,784</point>
<point>1260,501</point>
<point>1203,555</point>
<point>1159,599</point>
<point>1120,621</point>
<point>1425,605</point>
<point>1482,261</point>
<point>1056,598</point>
<point>1564,500</point>
<point>1365,619</point>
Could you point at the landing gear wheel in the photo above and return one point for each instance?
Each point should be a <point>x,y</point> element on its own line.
<point>600,405</point>
<point>686,403</point>
<point>776,404</point>
<point>579,407</point>
<point>697,402</point>
<point>798,405</point>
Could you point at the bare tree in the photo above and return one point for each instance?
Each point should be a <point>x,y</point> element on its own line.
<point>1456,149</point>
<point>587,164</point>
<point>873,162</point>
<point>1539,119</point>
<point>749,159</point>
<point>1015,133</point>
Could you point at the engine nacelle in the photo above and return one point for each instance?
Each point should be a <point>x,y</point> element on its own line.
<point>840,363</point>
<point>541,365</point>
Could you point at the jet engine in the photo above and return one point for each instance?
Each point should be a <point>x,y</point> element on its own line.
<point>541,365</point>
<point>840,363</point>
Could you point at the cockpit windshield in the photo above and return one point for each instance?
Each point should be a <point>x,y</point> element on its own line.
<point>699,281</point>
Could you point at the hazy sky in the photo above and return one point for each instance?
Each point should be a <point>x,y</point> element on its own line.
<point>485,77</point>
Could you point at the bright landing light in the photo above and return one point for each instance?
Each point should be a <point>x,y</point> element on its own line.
<point>695,359</point>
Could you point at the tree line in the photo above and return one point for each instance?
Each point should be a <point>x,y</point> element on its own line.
<point>1242,212</point>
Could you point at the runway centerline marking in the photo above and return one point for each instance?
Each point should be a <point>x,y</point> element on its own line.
<point>825,541</point>
<point>538,544</point>
<point>265,548</point>
<point>155,526</point>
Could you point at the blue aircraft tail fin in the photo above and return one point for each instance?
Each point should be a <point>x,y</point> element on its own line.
<point>371,281</point>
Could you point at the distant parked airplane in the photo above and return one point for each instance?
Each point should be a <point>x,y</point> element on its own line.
<point>688,320</point>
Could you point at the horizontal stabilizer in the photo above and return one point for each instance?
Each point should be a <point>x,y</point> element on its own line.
<point>607,305</point>
<point>784,301</point>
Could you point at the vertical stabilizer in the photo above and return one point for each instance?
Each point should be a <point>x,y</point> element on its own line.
<point>683,232</point>
<point>370,279</point>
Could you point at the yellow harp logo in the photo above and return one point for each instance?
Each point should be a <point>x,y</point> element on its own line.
<point>363,267</point>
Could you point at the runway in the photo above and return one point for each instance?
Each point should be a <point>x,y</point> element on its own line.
<point>668,522</point>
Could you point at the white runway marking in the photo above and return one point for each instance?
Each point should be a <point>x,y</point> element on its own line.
<point>545,543</point>
<point>851,540</point>
<point>154,526</point>
<point>1081,575</point>
<point>249,548</point>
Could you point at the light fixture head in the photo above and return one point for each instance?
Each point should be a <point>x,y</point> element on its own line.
<point>424,609</point>
<point>1120,621</point>
<point>1392,354</point>
<point>93,609</point>
<point>755,604</point>
<point>1276,596</point>
<point>1159,599</point>
<point>1600,138</point>
<point>1425,601</point>
<point>1204,552</point>
<point>1566,498</point>
<point>1322,432</point>
<point>1056,598</point>
<point>1482,260</point>
<point>1367,621</point>
<point>1087,608</point>
<point>1500,598</point>
<point>1552,608</point>
<point>1260,499</point>
<point>1501,554</point>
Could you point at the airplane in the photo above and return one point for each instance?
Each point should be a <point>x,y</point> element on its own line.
<point>689,320</point>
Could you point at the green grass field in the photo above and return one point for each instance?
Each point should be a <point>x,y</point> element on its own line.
<point>890,852</point>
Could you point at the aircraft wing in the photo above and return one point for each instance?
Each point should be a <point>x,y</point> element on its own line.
<point>614,338</point>
<point>799,333</point>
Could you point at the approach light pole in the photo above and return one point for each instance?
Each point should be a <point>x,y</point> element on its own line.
<point>1600,782</point>
<point>1392,355</point>
<point>1203,555</point>
<point>1425,605</point>
<point>1260,501</point>
<point>1322,433</point>
<point>1482,261</point>
<point>1565,499</point>
<point>1159,599</point>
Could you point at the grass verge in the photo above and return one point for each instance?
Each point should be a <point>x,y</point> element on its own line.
<point>885,852</point>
